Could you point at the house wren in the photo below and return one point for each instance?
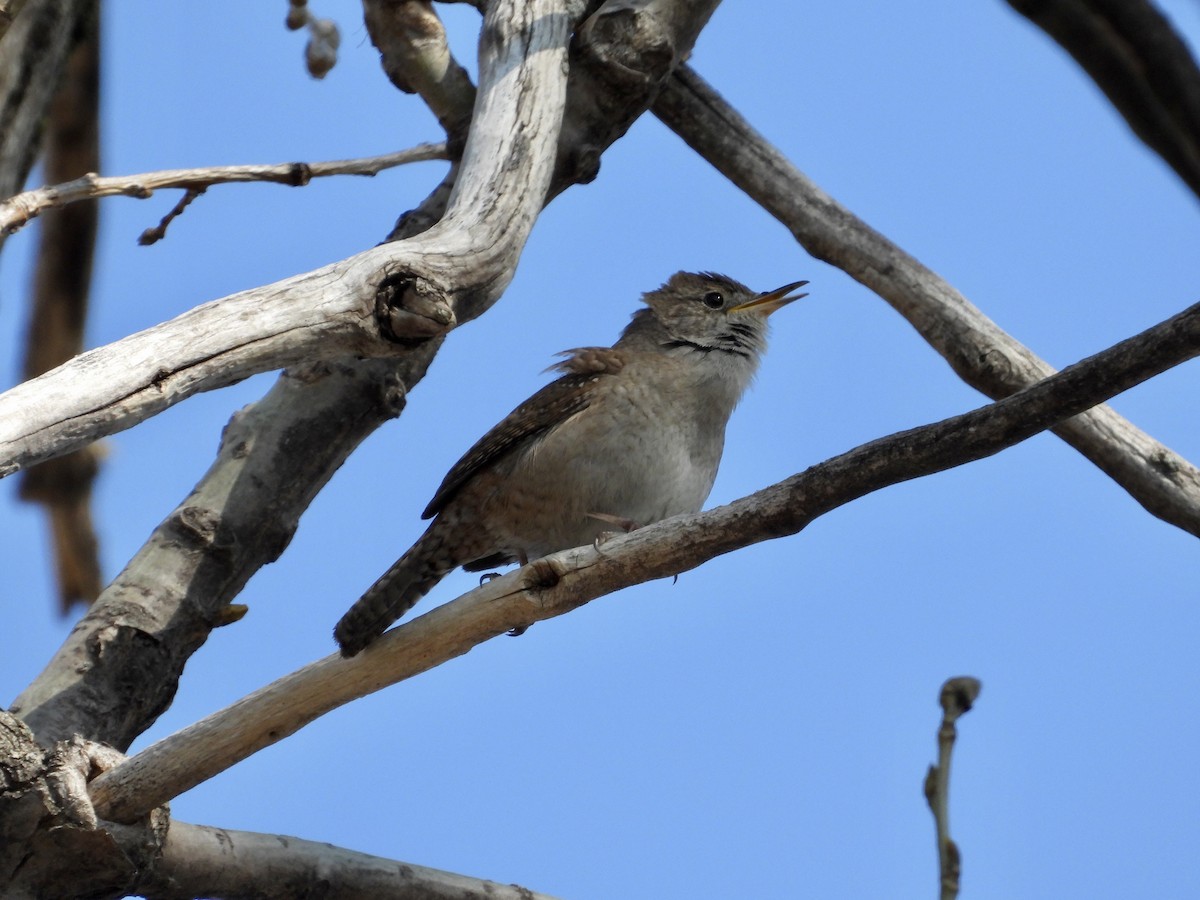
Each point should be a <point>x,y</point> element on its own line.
<point>627,435</point>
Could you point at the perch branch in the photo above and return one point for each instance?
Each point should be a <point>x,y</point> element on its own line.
<point>564,581</point>
<point>17,211</point>
<point>982,354</point>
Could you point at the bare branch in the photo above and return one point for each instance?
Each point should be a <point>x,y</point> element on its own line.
<point>318,315</point>
<point>17,211</point>
<point>47,817</point>
<point>982,354</point>
<point>564,581</point>
<point>201,861</point>
<point>1144,68</point>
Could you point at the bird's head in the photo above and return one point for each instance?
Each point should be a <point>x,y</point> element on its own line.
<point>704,312</point>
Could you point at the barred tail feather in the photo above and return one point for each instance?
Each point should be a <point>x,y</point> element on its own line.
<point>409,579</point>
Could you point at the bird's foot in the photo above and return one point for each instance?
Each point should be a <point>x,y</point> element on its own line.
<point>488,576</point>
<point>626,526</point>
<point>620,521</point>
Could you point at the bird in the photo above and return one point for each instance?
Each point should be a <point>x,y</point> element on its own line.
<point>626,436</point>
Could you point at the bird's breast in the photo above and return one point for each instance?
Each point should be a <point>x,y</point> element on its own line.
<point>638,452</point>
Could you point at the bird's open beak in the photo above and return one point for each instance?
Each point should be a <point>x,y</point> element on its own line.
<point>765,304</point>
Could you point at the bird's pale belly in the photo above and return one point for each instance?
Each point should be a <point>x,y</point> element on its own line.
<point>554,494</point>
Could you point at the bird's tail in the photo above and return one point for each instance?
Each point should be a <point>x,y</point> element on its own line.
<point>409,579</point>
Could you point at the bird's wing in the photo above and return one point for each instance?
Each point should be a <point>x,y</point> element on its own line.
<point>552,405</point>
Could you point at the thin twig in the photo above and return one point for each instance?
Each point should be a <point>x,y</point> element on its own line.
<point>564,581</point>
<point>957,697</point>
<point>18,210</point>
<point>159,231</point>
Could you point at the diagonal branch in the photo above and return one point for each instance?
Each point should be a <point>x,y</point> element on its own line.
<point>16,212</point>
<point>328,313</point>
<point>201,861</point>
<point>564,581</point>
<point>982,354</point>
<point>1144,68</point>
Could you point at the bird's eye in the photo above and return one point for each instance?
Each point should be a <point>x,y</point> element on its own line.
<point>713,300</point>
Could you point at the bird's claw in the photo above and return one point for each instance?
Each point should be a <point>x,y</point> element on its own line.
<point>621,522</point>
<point>626,526</point>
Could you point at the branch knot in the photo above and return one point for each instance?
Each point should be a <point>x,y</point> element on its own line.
<point>411,310</point>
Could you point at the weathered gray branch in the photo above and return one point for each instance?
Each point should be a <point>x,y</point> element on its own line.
<point>9,10</point>
<point>51,844</point>
<point>54,846</point>
<point>564,581</point>
<point>324,314</point>
<point>201,861</point>
<point>623,56</point>
<point>980,352</point>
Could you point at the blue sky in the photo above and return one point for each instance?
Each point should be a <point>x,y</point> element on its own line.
<point>762,727</point>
